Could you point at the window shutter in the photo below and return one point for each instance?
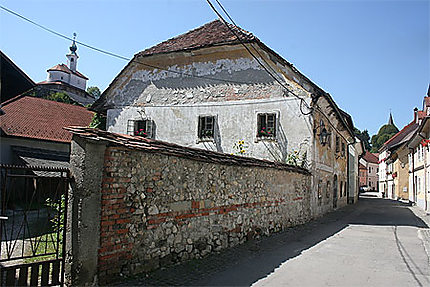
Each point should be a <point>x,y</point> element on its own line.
<point>130,127</point>
<point>149,128</point>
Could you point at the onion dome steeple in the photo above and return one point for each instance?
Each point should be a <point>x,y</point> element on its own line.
<point>73,56</point>
<point>73,48</point>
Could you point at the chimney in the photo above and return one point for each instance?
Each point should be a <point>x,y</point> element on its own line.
<point>416,115</point>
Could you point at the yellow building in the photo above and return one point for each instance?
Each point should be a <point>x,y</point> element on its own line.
<point>419,163</point>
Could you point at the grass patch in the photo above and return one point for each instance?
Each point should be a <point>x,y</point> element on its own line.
<point>39,246</point>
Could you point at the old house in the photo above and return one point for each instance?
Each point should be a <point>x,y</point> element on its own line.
<point>205,89</point>
<point>419,158</point>
<point>369,171</point>
<point>393,164</point>
<point>32,133</point>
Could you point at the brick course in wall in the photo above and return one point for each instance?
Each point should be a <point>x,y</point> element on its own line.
<point>158,209</point>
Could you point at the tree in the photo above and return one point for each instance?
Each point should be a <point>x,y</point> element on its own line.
<point>98,122</point>
<point>94,91</point>
<point>61,97</point>
<point>364,138</point>
<point>385,133</point>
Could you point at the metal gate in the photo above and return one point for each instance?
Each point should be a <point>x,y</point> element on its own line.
<point>32,225</point>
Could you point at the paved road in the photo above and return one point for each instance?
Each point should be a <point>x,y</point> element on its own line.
<point>376,242</point>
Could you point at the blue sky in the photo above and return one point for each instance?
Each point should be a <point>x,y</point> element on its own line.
<point>371,56</point>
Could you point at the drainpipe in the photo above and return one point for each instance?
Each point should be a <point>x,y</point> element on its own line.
<point>347,173</point>
<point>413,175</point>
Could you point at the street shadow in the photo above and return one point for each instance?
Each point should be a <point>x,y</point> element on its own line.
<point>245,264</point>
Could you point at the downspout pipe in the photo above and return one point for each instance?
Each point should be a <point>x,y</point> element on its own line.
<point>348,170</point>
<point>411,150</point>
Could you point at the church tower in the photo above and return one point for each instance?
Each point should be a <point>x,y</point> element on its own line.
<point>390,120</point>
<point>72,57</point>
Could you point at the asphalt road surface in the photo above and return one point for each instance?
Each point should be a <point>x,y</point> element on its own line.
<point>376,242</point>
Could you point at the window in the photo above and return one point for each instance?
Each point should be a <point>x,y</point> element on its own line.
<point>145,128</point>
<point>266,125</point>
<point>343,149</point>
<point>337,144</point>
<point>320,183</point>
<point>71,59</point>
<point>370,169</point>
<point>328,189</point>
<point>206,129</point>
<point>421,152</point>
<point>341,188</point>
<point>344,189</point>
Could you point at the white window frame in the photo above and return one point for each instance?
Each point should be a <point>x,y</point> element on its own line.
<point>132,126</point>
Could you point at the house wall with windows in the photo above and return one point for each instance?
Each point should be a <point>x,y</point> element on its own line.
<point>232,121</point>
<point>382,174</point>
<point>246,104</point>
<point>419,166</point>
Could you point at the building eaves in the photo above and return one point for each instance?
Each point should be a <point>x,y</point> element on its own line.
<point>37,118</point>
<point>65,69</point>
<point>216,33</point>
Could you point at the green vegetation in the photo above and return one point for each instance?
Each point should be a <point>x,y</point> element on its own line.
<point>98,122</point>
<point>297,158</point>
<point>44,244</point>
<point>364,138</point>
<point>61,97</point>
<point>384,134</point>
<point>94,91</point>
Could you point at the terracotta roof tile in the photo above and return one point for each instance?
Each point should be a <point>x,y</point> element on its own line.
<point>370,157</point>
<point>402,135</point>
<point>38,118</point>
<point>65,69</point>
<point>210,34</point>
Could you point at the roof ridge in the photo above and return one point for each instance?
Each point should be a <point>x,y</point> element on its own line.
<point>398,133</point>
<point>58,103</point>
<point>216,33</point>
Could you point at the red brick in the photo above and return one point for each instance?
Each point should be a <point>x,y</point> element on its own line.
<point>108,223</point>
<point>122,221</point>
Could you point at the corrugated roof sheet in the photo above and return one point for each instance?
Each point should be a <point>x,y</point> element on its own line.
<point>38,118</point>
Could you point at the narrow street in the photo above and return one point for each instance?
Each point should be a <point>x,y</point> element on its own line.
<point>375,242</point>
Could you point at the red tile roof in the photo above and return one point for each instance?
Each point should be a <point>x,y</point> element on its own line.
<point>402,135</point>
<point>211,34</point>
<point>65,69</point>
<point>370,157</point>
<point>42,119</point>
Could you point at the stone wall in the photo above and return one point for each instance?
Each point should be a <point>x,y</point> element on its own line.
<point>158,209</point>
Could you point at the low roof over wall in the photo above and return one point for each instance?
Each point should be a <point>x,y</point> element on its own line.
<point>155,146</point>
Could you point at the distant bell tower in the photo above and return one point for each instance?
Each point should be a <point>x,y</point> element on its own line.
<point>390,120</point>
<point>72,57</point>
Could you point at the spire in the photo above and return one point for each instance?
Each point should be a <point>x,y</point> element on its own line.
<point>390,120</point>
<point>72,57</point>
<point>73,48</point>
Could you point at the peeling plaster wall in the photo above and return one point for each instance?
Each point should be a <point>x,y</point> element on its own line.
<point>329,164</point>
<point>175,102</point>
<point>235,120</point>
